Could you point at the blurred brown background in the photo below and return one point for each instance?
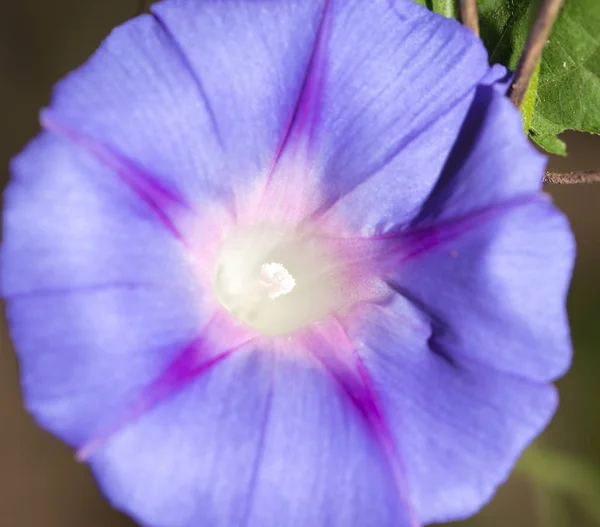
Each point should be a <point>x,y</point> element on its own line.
<point>41,485</point>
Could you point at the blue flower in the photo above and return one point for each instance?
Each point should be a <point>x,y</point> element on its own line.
<point>287,263</point>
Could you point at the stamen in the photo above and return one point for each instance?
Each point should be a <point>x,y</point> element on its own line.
<point>276,279</point>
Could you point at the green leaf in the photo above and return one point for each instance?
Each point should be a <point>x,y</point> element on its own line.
<point>550,143</point>
<point>567,94</point>
<point>448,8</point>
<point>569,86</point>
<point>529,100</point>
<point>504,26</point>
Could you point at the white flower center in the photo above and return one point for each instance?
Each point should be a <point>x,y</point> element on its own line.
<point>277,281</point>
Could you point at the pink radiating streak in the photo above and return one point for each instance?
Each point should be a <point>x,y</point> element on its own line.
<point>332,347</point>
<point>305,112</point>
<point>385,252</point>
<point>193,360</point>
<point>158,198</point>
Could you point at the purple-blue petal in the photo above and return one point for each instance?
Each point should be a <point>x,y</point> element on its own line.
<point>99,295</point>
<point>70,222</point>
<point>136,96</point>
<point>492,161</point>
<point>496,292</point>
<point>198,98</point>
<point>201,101</point>
<point>497,286</point>
<point>459,426</point>
<point>263,439</point>
<point>393,101</point>
<point>251,59</point>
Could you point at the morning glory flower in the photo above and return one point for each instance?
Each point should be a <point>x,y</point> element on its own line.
<point>287,263</point>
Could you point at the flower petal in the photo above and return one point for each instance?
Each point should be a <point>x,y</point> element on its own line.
<point>201,101</point>
<point>376,79</point>
<point>145,105</point>
<point>497,291</point>
<point>98,292</point>
<point>492,162</point>
<point>398,81</point>
<point>70,223</point>
<point>85,354</point>
<point>459,426</point>
<point>197,98</point>
<point>165,205</point>
<point>497,285</point>
<point>263,439</point>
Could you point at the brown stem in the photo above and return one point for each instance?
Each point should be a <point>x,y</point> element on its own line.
<point>571,178</point>
<point>468,15</point>
<point>533,49</point>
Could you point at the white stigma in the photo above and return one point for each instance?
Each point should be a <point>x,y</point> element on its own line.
<point>276,279</point>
